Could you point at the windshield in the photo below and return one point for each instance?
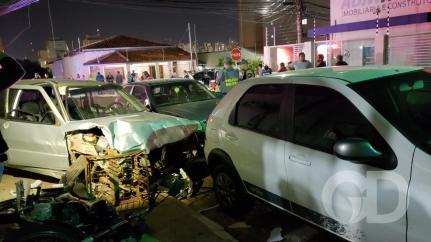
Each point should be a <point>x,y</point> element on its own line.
<point>405,101</point>
<point>98,101</point>
<point>179,92</point>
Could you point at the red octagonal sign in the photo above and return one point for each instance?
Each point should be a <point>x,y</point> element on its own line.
<point>236,54</point>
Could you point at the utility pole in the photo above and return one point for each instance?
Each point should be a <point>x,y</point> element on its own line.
<point>191,50</point>
<point>196,44</point>
<point>299,11</point>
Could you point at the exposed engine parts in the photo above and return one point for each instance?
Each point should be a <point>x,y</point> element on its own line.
<point>125,180</point>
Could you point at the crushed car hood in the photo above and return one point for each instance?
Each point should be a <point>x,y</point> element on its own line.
<point>199,110</point>
<point>142,131</point>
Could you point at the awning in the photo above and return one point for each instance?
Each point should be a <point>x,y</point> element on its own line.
<point>371,24</point>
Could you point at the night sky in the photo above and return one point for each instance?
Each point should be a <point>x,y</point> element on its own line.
<point>75,19</point>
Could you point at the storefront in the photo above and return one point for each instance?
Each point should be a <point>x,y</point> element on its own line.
<point>368,32</point>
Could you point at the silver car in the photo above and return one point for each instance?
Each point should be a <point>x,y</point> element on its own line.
<point>50,125</point>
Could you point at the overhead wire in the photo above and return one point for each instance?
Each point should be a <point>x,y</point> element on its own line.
<point>265,10</point>
<point>23,30</point>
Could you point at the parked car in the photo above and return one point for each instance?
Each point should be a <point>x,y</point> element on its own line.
<point>89,127</point>
<point>348,149</point>
<point>177,97</point>
<point>205,76</point>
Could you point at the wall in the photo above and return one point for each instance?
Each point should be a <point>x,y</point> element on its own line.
<point>73,65</point>
<point>348,11</point>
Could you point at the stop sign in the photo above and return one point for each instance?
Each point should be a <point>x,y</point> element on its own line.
<point>236,54</point>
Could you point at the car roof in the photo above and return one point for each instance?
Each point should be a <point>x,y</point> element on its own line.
<point>350,74</point>
<point>61,82</point>
<point>162,81</point>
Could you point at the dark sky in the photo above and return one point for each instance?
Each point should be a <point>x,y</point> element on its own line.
<point>74,19</point>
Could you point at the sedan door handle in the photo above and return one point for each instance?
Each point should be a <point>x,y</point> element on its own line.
<point>232,137</point>
<point>299,160</point>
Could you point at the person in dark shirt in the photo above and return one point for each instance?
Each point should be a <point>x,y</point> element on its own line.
<point>340,61</point>
<point>282,67</point>
<point>320,61</point>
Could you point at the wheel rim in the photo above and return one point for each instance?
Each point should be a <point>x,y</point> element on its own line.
<point>225,190</point>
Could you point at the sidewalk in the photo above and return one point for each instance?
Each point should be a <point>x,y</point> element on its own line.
<point>174,221</point>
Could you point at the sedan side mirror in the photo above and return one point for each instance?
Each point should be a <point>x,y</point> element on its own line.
<point>356,150</point>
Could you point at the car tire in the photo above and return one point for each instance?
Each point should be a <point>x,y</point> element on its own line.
<point>230,191</point>
<point>40,232</point>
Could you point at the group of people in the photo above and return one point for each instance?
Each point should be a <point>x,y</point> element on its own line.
<point>302,63</point>
<point>230,77</point>
<point>110,78</point>
<point>119,78</point>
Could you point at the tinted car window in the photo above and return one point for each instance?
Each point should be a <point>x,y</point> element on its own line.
<point>405,101</point>
<point>180,92</point>
<point>128,88</point>
<point>322,116</point>
<point>139,92</point>
<point>259,110</point>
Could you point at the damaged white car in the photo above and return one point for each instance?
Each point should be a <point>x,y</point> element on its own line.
<point>96,132</point>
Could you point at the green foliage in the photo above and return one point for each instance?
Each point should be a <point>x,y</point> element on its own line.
<point>220,62</point>
<point>253,64</point>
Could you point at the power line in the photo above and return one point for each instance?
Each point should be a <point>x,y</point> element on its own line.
<point>22,31</point>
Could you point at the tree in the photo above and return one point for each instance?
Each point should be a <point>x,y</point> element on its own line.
<point>32,67</point>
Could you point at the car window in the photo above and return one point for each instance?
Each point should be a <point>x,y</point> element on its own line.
<point>90,102</point>
<point>259,110</point>
<point>139,92</point>
<point>29,106</point>
<point>128,88</point>
<point>179,92</point>
<point>404,100</point>
<point>323,116</point>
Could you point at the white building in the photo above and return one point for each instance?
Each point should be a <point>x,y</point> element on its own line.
<point>403,35</point>
<point>54,49</point>
<point>124,54</point>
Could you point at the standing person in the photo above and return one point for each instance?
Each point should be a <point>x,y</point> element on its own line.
<point>340,61</point>
<point>110,78</point>
<point>129,77</point>
<point>282,67</point>
<point>119,78</point>
<point>320,61</point>
<point>266,71</point>
<point>100,77</point>
<point>228,78</point>
<point>244,71</point>
<point>10,72</point>
<point>259,69</point>
<point>134,76</point>
<point>147,76</point>
<point>78,77</point>
<point>302,63</point>
<point>186,74</point>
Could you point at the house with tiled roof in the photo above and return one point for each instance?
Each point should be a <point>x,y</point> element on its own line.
<point>124,54</point>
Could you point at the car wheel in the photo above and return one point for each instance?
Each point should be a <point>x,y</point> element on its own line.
<point>230,191</point>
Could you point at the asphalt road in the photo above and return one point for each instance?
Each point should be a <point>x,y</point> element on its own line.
<point>260,224</point>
